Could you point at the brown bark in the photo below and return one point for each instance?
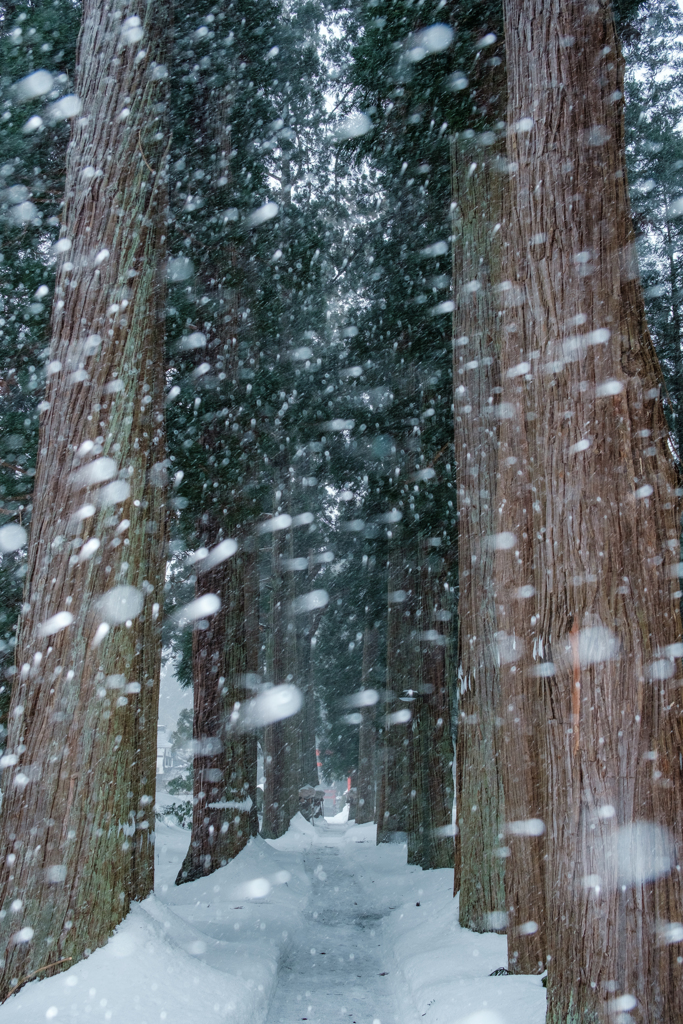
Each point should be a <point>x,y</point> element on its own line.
<point>291,661</point>
<point>307,626</point>
<point>478,193</point>
<point>289,745</point>
<point>430,842</point>
<point>367,738</point>
<point>224,655</point>
<point>77,821</point>
<point>590,499</point>
<point>309,757</point>
<point>281,738</point>
<point>276,744</point>
<point>393,782</point>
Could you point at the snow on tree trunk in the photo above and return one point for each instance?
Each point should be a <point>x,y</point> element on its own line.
<point>77,816</point>
<point>478,192</point>
<point>224,656</point>
<point>589,537</point>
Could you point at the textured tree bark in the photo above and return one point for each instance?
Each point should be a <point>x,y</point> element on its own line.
<point>393,790</point>
<point>430,842</point>
<point>306,625</point>
<point>292,639</point>
<point>289,745</point>
<point>224,655</point>
<point>77,821</point>
<point>309,757</point>
<point>307,632</point>
<point>479,183</point>
<point>276,816</point>
<point>595,526</point>
<point>365,811</point>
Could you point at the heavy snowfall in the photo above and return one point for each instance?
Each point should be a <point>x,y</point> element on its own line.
<point>341,466</point>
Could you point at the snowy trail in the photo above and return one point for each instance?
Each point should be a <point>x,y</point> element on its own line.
<point>341,969</point>
<point>321,926</point>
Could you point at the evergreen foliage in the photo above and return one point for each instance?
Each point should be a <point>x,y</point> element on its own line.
<point>654,149</point>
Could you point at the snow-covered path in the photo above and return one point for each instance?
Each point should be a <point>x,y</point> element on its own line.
<point>340,970</point>
<point>320,925</point>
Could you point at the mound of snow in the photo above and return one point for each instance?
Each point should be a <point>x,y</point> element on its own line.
<point>204,952</point>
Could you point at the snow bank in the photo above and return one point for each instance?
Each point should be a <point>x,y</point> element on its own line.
<point>443,969</point>
<point>199,953</point>
<point>341,817</point>
<point>447,968</point>
<point>357,928</point>
<point>298,838</point>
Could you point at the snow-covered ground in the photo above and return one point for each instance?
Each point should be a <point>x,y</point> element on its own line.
<point>320,926</point>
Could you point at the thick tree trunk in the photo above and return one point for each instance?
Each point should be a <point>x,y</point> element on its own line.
<point>521,743</point>
<point>275,735</point>
<point>289,745</point>
<point>595,524</point>
<point>430,840</point>
<point>365,811</point>
<point>77,816</point>
<point>284,740</point>
<point>478,193</point>
<point>393,790</point>
<point>306,627</point>
<point>293,663</point>
<point>309,756</point>
<point>307,632</point>
<point>225,653</point>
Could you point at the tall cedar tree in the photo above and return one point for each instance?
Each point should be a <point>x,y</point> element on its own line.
<point>32,37</point>
<point>400,340</point>
<point>479,190</point>
<point>289,745</point>
<point>478,195</point>
<point>367,734</point>
<point>236,363</point>
<point>430,842</point>
<point>479,180</point>
<point>589,499</point>
<point>393,767</point>
<point>77,826</point>
<point>225,659</point>
<point>214,113</point>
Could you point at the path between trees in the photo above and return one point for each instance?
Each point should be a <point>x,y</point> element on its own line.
<point>320,926</point>
<point>342,969</point>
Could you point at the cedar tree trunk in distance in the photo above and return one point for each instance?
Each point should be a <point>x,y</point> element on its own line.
<point>591,610</point>
<point>365,811</point>
<point>224,655</point>
<point>277,747</point>
<point>289,749</point>
<point>306,640</point>
<point>393,769</point>
<point>77,818</point>
<point>430,840</point>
